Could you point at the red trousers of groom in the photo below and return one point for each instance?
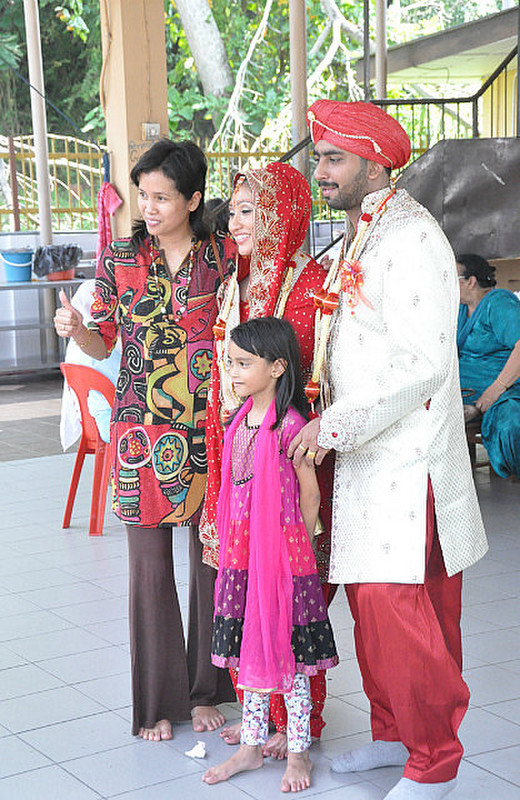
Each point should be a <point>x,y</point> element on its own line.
<point>408,646</point>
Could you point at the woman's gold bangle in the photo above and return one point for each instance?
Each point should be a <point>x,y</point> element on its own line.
<point>86,342</point>
<point>502,383</point>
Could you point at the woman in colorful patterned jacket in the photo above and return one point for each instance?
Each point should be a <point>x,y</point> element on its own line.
<point>269,218</point>
<point>158,290</point>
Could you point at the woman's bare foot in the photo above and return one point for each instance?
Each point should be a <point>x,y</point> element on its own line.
<point>276,747</point>
<point>206,718</point>
<point>160,731</point>
<point>246,758</point>
<point>297,776</point>
<point>231,734</point>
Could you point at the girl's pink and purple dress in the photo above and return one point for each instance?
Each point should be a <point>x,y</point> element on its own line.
<point>312,639</point>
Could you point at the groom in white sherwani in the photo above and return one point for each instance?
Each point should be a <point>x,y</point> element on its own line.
<point>406,520</point>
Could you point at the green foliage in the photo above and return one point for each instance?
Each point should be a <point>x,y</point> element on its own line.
<point>94,123</point>
<point>192,107</point>
<point>71,69</point>
<point>71,44</point>
<point>188,109</point>
<point>10,51</point>
<point>72,16</point>
<point>267,86</point>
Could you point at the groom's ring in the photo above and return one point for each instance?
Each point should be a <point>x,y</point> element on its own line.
<point>311,453</point>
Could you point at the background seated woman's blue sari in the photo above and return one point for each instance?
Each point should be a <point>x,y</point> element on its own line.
<point>485,341</point>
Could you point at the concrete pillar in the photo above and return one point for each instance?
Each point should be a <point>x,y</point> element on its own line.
<point>49,346</point>
<point>133,89</point>
<point>381,50</point>
<point>39,118</point>
<point>366,50</point>
<point>298,66</point>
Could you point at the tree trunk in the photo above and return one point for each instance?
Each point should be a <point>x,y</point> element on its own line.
<point>332,11</point>
<point>206,45</point>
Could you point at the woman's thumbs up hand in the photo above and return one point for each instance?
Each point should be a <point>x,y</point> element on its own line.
<point>68,321</point>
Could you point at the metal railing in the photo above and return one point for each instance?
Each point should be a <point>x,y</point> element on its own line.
<point>223,165</point>
<point>486,113</point>
<point>75,176</point>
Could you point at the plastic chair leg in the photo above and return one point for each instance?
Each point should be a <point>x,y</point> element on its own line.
<point>78,466</point>
<point>99,489</point>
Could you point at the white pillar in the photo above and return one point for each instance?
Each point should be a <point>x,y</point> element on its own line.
<point>48,340</point>
<point>298,66</point>
<point>381,48</point>
<point>39,119</point>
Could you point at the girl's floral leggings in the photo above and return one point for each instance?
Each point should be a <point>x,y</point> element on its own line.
<point>255,716</point>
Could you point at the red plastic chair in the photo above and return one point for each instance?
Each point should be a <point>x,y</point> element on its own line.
<point>82,380</point>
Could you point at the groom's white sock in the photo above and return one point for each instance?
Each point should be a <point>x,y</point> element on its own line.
<point>371,756</point>
<point>412,790</point>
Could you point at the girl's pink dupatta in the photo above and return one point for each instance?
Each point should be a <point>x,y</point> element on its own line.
<point>266,656</point>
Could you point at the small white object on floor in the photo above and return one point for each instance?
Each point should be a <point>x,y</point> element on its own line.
<point>199,751</point>
<point>407,789</point>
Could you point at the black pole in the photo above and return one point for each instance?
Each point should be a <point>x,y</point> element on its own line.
<point>476,132</point>
<point>366,48</point>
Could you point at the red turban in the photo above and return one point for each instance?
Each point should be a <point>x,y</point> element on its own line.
<point>361,128</point>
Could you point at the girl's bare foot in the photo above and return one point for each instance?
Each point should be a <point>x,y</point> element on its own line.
<point>276,747</point>
<point>206,718</point>
<point>231,734</point>
<point>160,731</point>
<point>297,776</point>
<point>246,758</point>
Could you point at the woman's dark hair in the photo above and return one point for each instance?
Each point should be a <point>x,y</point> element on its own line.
<point>216,214</point>
<point>479,268</point>
<point>272,339</point>
<point>185,164</point>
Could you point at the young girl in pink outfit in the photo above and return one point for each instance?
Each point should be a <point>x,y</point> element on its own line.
<point>270,617</point>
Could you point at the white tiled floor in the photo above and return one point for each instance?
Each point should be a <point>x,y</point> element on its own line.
<point>64,676</point>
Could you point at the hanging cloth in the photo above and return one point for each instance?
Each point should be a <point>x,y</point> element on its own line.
<point>108,201</point>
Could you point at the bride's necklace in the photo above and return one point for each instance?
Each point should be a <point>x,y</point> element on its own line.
<point>158,260</point>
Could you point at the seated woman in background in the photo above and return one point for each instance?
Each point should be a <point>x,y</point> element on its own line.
<point>488,340</point>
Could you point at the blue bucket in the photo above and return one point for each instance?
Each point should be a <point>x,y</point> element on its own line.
<point>17,265</point>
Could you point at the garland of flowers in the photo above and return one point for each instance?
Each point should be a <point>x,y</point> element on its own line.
<point>345,275</point>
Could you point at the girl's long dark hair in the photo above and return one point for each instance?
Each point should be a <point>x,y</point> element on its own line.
<point>273,339</point>
<point>185,164</point>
